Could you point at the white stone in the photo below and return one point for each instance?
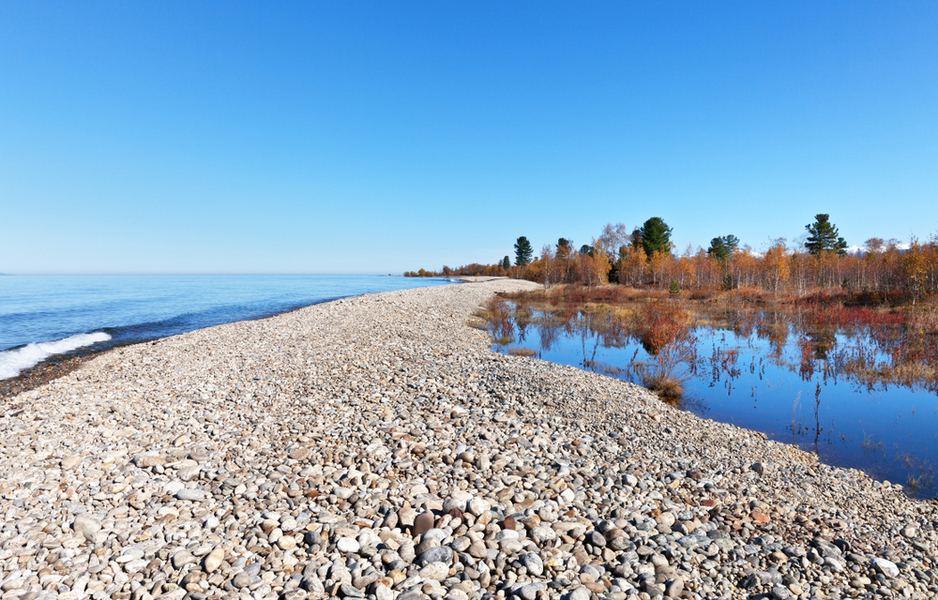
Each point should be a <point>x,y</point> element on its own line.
<point>86,525</point>
<point>348,545</point>
<point>436,571</point>
<point>886,567</point>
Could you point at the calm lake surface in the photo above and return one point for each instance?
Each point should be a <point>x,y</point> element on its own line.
<point>759,377</point>
<point>45,316</point>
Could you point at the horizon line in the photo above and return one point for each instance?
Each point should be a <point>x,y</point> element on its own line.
<point>206,274</point>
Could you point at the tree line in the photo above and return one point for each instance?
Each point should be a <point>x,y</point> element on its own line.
<point>645,256</point>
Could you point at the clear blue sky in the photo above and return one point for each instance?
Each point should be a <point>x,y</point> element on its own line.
<point>354,137</point>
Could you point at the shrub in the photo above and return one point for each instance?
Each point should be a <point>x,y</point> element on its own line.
<point>666,385</point>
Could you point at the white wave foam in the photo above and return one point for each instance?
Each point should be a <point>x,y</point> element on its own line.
<point>14,361</point>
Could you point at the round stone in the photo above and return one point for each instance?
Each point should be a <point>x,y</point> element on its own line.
<point>532,562</point>
<point>441,554</point>
<point>86,525</point>
<point>348,545</point>
<point>213,559</point>
<point>191,494</point>
<point>436,571</point>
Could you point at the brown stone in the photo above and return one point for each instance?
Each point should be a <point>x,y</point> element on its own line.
<point>423,523</point>
<point>759,517</point>
<point>300,453</point>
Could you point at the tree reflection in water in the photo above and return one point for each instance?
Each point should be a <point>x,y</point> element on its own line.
<point>868,365</point>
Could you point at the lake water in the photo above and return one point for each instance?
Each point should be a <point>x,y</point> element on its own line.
<point>45,316</point>
<point>771,376</point>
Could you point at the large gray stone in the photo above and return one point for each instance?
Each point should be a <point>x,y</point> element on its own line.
<point>442,554</point>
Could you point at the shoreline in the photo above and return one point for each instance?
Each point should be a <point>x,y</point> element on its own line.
<point>150,326</point>
<point>290,457</point>
<point>45,371</point>
<point>59,365</point>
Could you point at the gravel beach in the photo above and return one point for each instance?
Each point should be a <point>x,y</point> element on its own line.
<point>375,447</point>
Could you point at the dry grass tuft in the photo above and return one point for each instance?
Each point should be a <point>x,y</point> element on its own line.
<point>667,386</point>
<point>478,324</point>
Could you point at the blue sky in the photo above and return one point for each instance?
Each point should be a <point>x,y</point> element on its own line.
<point>355,137</point>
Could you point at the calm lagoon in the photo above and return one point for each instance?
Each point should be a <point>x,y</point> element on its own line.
<point>768,372</point>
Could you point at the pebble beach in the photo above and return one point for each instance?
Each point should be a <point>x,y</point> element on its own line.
<point>376,448</point>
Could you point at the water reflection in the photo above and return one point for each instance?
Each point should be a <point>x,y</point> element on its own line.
<point>854,388</point>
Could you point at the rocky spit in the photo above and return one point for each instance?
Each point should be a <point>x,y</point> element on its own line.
<point>376,448</point>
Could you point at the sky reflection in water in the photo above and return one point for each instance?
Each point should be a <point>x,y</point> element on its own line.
<point>752,375</point>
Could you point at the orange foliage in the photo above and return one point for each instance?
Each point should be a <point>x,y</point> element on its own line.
<point>882,274</point>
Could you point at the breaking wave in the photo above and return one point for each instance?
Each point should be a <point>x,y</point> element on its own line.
<point>12,362</point>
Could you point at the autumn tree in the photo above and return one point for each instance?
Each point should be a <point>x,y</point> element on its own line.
<point>915,270</point>
<point>776,265</point>
<point>613,243</point>
<point>548,266</point>
<point>657,263</point>
<point>523,251</point>
<point>824,237</point>
<point>600,264</point>
<point>874,244</point>
<point>655,236</point>
<point>612,240</point>
<point>685,268</point>
<point>564,248</point>
<point>632,265</point>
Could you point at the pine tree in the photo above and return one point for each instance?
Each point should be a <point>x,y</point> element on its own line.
<point>655,236</point>
<point>523,251</point>
<point>824,237</point>
<point>722,248</point>
<point>636,238</point>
